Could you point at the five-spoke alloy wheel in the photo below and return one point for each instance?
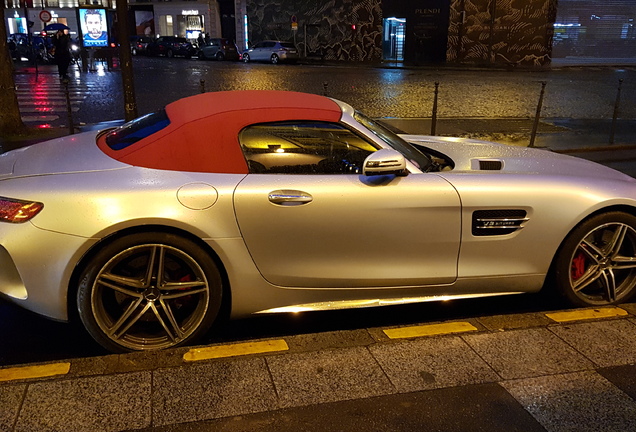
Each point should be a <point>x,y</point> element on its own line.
<point>149,291</point>
<point>597,263</point>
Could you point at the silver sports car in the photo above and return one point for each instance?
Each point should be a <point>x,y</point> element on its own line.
<point>266,201</point>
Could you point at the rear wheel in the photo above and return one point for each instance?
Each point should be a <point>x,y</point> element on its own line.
<point>246,58</point>
<point>597,262</point>
<point>149,291</point>
<point>274,59</point>
<point>169,54</point>
<point>220,56</point>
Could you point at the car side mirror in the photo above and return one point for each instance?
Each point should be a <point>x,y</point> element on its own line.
<point>383,162</point>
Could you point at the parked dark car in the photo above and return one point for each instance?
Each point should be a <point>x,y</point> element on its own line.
<point>139,44</point>
<point>171,46</point>
<point>272,51</point>
<point>219,49</point>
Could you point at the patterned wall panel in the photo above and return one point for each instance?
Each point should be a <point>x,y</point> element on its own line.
<point>521,33</point>
<point>329,31</point>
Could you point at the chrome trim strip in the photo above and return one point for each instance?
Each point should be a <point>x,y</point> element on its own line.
<point>355,304</point>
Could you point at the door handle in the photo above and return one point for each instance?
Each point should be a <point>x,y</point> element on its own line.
<point>289,197</point>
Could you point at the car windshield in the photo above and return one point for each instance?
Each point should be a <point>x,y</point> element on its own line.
<point>135,130</point>
<point>419,159</point>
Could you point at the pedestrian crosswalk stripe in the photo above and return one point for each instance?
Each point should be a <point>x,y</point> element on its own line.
<point>40,118</point>
<point>43,102</point>
<point>77,97</point>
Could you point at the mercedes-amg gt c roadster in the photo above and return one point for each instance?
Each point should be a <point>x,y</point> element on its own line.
<point>269,201</point>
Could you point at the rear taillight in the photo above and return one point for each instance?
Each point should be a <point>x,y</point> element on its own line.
<point>18,211</point>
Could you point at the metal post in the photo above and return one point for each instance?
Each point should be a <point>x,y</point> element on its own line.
<point>69,111</point>
<point>616,108</point>
<point>202,86</point>
<point>537,116</point>
<point>434,116</point>
<point>125,61</point>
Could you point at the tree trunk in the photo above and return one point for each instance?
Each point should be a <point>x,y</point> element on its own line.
<point>10,120</point>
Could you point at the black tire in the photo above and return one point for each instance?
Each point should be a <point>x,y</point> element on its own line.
<point>133,51</point>
<point>169,53</point>
<point>246,58</point>
<point>274,59</point>
<point>220,56</point>
<point>149,291</point>
<point>596,265</point>
<point>202,55</point>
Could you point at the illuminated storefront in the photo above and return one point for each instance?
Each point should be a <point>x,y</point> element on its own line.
<point>595,28</point>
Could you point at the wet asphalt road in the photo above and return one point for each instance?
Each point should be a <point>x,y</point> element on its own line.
<point>379,92</point>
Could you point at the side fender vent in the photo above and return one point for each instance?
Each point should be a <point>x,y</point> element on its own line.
<point>498,222</point>
<point>490,165</point>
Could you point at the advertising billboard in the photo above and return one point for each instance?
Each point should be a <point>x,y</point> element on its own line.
<point>94,27</point>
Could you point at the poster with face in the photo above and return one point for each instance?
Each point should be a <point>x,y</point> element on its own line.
<point>94,27</point>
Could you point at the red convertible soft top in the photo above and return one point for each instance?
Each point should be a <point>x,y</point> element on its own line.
<point>203,132</point>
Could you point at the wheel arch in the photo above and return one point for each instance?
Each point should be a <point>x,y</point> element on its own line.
<point>618,208</point>
<point>73,315</point>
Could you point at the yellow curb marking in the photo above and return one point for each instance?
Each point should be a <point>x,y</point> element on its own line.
<point>583,314</point>
<point>429,330</point>
<point>239,349</point>
<point>31,372</point>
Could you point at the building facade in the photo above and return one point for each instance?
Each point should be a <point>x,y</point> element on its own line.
<point>508,32</point>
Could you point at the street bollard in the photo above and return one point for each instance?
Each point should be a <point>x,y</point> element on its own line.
<point>535,125</point>
<point>434,116</point>
<point>202,86</point>
<point>69,111</point>
<point>324,88</point>
<point>616,108</point>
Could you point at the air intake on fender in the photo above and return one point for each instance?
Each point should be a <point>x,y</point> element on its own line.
<point>497,222</point>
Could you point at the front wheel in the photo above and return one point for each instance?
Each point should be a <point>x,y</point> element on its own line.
<point>274,59</point>
<point>596,264</point>
<point>149,291</point>
<point>246,58</point>
<point>169,54</point>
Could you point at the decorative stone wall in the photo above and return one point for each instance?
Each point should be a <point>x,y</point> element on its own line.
<point>329,32</point>
<point>521,33</point>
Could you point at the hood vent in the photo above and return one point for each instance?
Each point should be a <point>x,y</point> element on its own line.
<point>490,165</point>
<point>498,222</point>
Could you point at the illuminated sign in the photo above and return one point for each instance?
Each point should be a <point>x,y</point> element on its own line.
<point>190,12</point>
<point>94,27</point>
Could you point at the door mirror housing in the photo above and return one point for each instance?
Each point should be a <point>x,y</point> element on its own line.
<point>383,162</point>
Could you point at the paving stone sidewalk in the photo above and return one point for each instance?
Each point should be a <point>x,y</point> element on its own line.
<point>521,372</point>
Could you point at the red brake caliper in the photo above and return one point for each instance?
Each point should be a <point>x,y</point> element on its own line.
<point>578,266</point>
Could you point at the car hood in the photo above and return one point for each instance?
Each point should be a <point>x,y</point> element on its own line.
<point>475,156</point>
<point>69,154</point>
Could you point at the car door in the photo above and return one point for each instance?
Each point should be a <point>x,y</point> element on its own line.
<point>309,218</point>
<point>261,51</point>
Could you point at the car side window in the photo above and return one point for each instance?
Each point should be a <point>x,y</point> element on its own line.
<point>303,147</point>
